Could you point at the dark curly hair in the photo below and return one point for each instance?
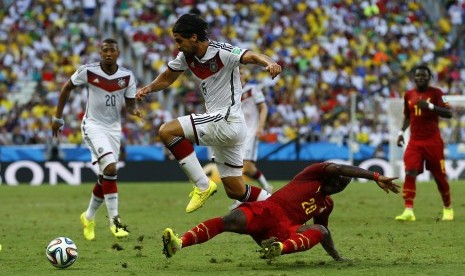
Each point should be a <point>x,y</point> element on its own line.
<point>189,24</point>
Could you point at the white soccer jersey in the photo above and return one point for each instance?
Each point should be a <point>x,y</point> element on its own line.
<point>251,97</point>
<point>218,74</point>
<point>107,94</point>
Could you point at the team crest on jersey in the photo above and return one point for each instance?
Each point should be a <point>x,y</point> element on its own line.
<point>100,150</point>
<point>192,64</point>
<point>121,83</point>
<point>213,66</point>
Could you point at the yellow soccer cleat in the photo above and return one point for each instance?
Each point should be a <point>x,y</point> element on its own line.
<point>448,214</point>
<point>199,197</point>
<point>271,249</point>
<point>88,227</point>
<point>407,215</point>
<point>118,232</point>
<point>171,243</point>
<point>118,229</point>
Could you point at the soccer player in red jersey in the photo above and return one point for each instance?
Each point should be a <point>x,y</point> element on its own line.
<point>423,106</point>
<point>278,223</point>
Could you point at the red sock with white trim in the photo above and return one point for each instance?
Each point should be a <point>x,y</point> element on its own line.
<point>203,232</point>
<point>301,241</point>
<point>184,152</point>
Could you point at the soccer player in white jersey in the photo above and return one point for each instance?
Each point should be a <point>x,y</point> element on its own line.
<point>215,66</point>
<point>110,86</point>
<point>255,114</point>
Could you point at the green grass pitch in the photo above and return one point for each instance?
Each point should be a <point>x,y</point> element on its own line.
<point>362,225</point>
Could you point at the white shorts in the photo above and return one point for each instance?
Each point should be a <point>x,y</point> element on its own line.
<point>104,144</point>
<point>226,139</point>
<point>251,148</point>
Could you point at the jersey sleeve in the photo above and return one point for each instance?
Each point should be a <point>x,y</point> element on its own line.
<point>130,92</point>
<point>80,76</point>
<point>441,100</point>
<point>314,172</point>
<point>233,56</point>
<point>178,64</point>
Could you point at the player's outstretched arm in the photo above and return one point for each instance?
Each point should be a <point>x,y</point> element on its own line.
<point>270,65</point>
<point>164,80</point>
<point>57,121</point>
<point>383,182</point>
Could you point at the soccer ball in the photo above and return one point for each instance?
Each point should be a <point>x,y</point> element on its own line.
<point>61,252</point>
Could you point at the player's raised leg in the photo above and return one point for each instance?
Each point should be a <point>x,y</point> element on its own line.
<point>172,135</point>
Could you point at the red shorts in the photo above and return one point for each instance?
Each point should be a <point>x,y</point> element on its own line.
<point>265,219</point>
<point>430,154</point>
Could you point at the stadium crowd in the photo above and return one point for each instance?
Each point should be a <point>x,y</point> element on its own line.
<point>329,49</point>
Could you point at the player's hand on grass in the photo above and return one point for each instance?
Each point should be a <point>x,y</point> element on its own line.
<point>387,185</point>
<point>341,259</point>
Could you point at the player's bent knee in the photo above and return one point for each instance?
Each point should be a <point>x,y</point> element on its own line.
<point>163,131</point>
<point>108,163</point>
<point>324,231</point>
<point>110,169</point>
<point>235,221</point>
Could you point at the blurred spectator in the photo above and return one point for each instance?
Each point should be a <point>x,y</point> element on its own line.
<point>328,49</point>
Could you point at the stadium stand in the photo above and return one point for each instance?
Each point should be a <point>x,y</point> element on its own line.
<point>330,50</point>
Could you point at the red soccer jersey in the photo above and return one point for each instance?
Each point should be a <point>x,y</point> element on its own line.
<point>423,122</point>
<point>301,199</point>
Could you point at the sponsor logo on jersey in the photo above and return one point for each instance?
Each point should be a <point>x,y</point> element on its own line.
<point>236,51</point>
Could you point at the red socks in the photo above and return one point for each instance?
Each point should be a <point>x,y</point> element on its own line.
<point>109,186</point>
<point>203,232</point>
<point>443,187</point>
<point>409,190</point>
<point>302,241</point>
<point>251,194</point>
<point>180,148</point>
<point>97,191</point>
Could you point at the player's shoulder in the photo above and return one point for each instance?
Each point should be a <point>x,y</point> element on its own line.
<point>125,70</point>
<point>434,89</point>
<point>88,66</point>
<point>220,45</point>
<point>224,47</point>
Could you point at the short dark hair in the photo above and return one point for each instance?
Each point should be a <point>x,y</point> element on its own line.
<point>422,67</point>
<point>189,24</point>
<point>110,41</point>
